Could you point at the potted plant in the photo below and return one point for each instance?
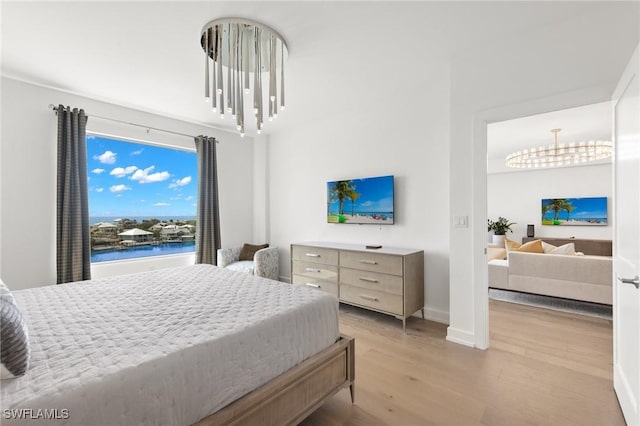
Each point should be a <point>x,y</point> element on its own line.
<point>499,228</point>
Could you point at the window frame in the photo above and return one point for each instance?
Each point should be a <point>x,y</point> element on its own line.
<point>141,259</point>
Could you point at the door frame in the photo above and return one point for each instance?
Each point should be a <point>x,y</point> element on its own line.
<point>625,396</point>
<point>478,222</point>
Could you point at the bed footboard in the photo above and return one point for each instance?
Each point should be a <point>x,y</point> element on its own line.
<point>291,397</point>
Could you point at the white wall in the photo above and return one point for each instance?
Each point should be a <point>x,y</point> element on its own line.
<point>517,196</point>
<point>376,117</point>
<point>28,176</point>
<point>565,64</point>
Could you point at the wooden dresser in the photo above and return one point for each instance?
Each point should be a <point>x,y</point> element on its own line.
<point>388,280</point>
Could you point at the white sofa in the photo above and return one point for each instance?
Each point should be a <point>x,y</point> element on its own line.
<point>587,278</point>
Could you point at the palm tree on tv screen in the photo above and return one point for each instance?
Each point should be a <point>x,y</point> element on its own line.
<point>569,208</point>
<point>340,191</point>
<point>557,205</point>
<point>545,209</point>
<point>353,196</point>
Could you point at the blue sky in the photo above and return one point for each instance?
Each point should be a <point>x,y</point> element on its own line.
<point>132,179</point>
<point>376,195</point>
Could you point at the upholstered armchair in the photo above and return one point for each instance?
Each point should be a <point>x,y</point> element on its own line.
<point>264,263</point>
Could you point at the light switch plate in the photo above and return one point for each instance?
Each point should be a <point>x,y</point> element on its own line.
<point>461,221</point>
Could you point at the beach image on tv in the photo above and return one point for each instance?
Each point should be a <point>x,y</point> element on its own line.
<point>574,211</point>
<point>361,201</point>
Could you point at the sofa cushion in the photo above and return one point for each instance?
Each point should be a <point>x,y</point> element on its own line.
<point>534,246</point>
<point>246,266</point>
<point>498,274</point>
<point>496,253</point>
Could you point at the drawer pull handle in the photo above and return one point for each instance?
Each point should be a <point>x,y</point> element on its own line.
<point>369,262</point>
<point>312,270</point>
<point>312,255</point>
<point>312,285</point>
<point>369,280</point>
<point>375,299</point>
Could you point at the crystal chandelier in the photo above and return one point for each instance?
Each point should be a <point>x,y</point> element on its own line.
<point>557,155</point>
<point>239,55</point>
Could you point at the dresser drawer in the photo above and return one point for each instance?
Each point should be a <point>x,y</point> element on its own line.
<point>376,262</point>
<point>315,254</point>
<point>315,271</point>
<point>374,299</point>
<point>326,286</point>
<point>371,280</point>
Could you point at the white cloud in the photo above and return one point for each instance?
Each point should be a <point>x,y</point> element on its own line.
<point>106,157</point>
<point>143,176</point>
<point>161,204</point>
<point>180,182</point>
<point>99,189</point>
<point>189,198</point>
<point>122,172</point>
<point>98,171</point>
<point>138,152</point>
<point>119,188</point>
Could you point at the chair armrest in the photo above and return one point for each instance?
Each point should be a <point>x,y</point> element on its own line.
<point>267,263</point>
<point>228,256</point>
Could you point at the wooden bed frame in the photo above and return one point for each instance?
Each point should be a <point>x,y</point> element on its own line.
<point>291,397</point>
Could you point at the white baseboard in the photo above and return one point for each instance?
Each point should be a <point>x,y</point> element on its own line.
<point>461,337</point>
<point>434,315</point>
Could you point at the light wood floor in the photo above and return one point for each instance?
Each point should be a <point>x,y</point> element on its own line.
<point>543,368</point>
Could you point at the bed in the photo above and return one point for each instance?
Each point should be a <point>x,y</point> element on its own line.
<point>196,344</point>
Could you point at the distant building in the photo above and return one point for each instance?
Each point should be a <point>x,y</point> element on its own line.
<point>105,228</point>
<point>136,235</point>
<point>158,226</point>
<point>177,233</point>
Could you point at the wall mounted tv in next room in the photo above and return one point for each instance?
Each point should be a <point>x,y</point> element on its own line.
<point>361,201</point>
<point>574,211</point>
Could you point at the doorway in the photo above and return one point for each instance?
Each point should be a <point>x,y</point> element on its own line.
<point>481,121</point>
<point>563,206</point>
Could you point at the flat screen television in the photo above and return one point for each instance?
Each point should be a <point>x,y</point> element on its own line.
<point>361,201</point>
<point>574,211</point>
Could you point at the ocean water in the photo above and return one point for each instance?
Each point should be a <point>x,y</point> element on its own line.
<point>143,251</point>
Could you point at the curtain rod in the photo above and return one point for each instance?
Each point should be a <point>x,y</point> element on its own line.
<point>55,108</point>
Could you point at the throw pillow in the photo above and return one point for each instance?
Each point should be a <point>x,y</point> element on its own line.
<point>511,245</point>
<point>547,247</point>
<point>5,292</point>
<point>534,246</point>
<point>568,249</point>
<point>248,250</point>
<point>14,340</point>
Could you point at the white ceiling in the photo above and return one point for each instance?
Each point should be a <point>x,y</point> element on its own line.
<point>585,123</point>
<point>146,55</point>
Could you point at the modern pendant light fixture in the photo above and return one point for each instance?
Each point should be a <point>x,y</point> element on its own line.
<point>243,57</point>
<point>557,155</point>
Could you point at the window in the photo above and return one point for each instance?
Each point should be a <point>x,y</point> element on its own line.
<point>142,199</point>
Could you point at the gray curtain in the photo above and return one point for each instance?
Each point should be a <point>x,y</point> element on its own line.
<point>72,206</point>
<point>208,220</point>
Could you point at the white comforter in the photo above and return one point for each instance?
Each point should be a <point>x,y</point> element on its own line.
<point>165,347</point>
